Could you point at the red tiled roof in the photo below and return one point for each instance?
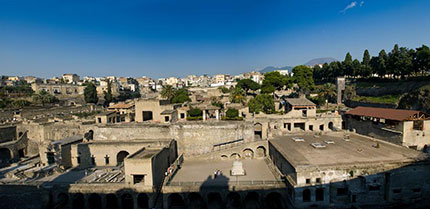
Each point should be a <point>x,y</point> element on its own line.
<point>384,113</point>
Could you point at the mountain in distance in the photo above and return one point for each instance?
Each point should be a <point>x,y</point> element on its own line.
<point>320,61</point>
<point>271,68</point>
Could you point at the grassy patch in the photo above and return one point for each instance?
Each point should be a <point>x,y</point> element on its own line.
<point>386,99</point>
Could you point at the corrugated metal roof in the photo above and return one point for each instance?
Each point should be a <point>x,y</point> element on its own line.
<point>300,102</point>
<point>384,113</point>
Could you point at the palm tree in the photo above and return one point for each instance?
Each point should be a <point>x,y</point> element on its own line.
<point>168,92</point>
<point>237,95</point>
<point>327,91</point>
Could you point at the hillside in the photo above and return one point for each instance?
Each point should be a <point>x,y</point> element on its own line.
<point>321,61</point>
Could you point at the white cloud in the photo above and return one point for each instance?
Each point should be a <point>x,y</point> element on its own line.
<point>350,6</point>
<point>361,3</point>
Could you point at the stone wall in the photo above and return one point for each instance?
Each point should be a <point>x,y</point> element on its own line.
<point>7,133</point>
<point>196,138</point>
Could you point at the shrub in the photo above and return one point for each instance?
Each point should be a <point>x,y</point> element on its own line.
<point>195,112</point>
<point>232,113</point>
<point>195,118</point>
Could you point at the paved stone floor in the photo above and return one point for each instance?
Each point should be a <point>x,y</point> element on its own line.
<point>203,170</point>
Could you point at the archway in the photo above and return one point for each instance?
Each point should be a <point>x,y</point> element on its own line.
<point>78,201</point>
<point>142,201</point>
<point>5,155</point>
<point>111,201</point>
<point>121,156</point>
<point>258,131</point>
<point>195,201</point>
<point>89,135</point>
<point>235,156</point>
<point>95,201</point>
<point>62,200</point>
<point>248,153</point>
<point>330,126</point>
<point>252,201</point>
<point>274,201</point>
<point>20,134</point>
<point>261,151</point>
<point>175,201</point>
<point>127,201</point>
<point>215,201</point>
<point>224,157</point>
<point>234,201</point>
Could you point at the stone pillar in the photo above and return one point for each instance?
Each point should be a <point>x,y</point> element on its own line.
<point>204,115</point>
<point>217,114</point>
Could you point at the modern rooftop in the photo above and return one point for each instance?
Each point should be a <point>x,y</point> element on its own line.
<point>336,149</point>
<point>202,171</point>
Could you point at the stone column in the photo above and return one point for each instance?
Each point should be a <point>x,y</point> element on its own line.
<point>217,114</point>
<point>204,115</point>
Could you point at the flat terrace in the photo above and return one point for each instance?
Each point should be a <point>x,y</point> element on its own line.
<point>340,149</point>
<point>201,172</point>
<point>144,153</point>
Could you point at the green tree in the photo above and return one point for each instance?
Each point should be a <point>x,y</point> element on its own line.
<point>366,69</point>
<point>43,97</point>
<point>195,112</point>
<point>381,64</point>
<point>90,93</point>
<point>232,113</point>
<point>180,96</point>
<point>168,92</point>
<point>248,84</point>
<point>224,90</point>
<point>422,59</point>
<point>400,61</point>
<point>356,67</point>
<point>262,103</point>
<point>276,80</point>
<point>327,91</point>
<point>347,66</point>
<point>303,76</point>
<point>237,95</point>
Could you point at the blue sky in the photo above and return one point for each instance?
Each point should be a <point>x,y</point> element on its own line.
<point>161,38</point>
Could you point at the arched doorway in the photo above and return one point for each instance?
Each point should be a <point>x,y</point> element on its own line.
<point>62,200</point>
<point>274,201</point>
<point>142,201</point>
<point>78,201</point>
<point>175,201</point>
<point>215,201</point>
<point>195,201</point>
<point>89,135</point>
<point>111,201</point>
<point>252,201</point>
<point>127,201</point>
<point>121,156</point>
<point>234,201</point>
<point>224,157</point>
<point>5,155</point>
<point>261,151</point>
<point>95,201</point>
<point>330,126</point>
<point>235,156</point>
<point>258,131</point>
<point>248,153</point>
